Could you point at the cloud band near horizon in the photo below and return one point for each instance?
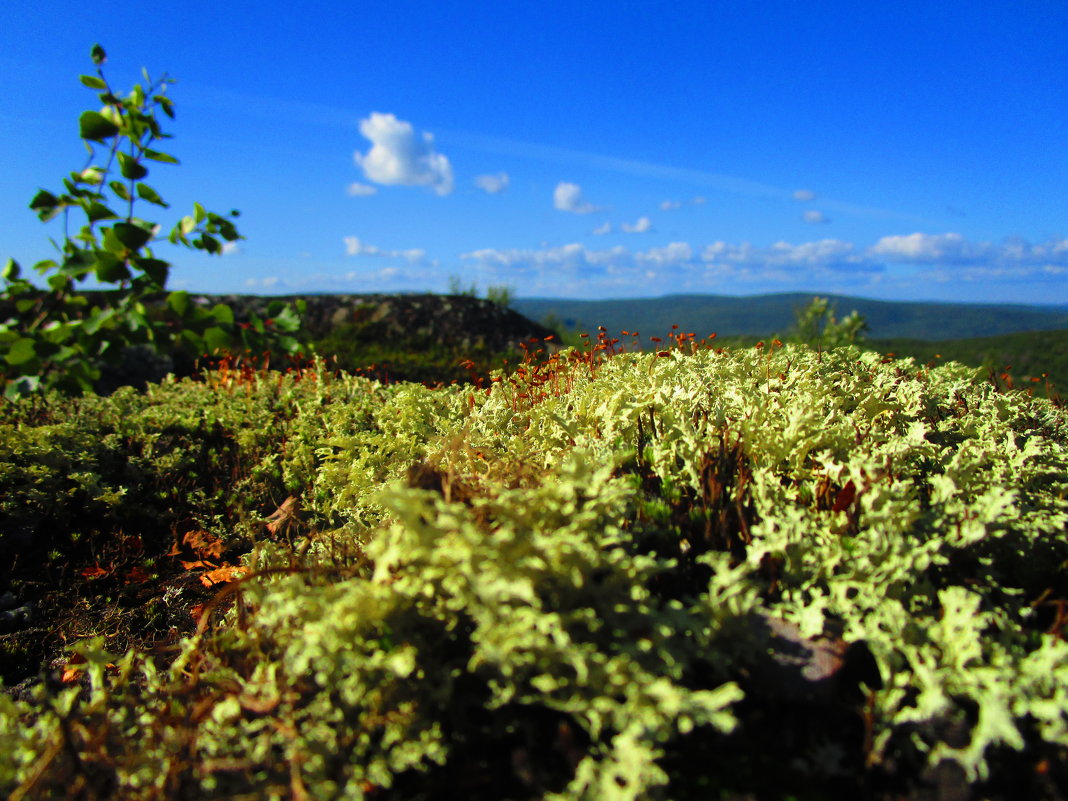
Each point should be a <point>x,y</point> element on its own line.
<point>917,249</point>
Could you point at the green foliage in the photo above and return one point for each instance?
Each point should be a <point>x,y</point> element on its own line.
<point>501,294</point>
<point>456,287</point>
<point>73,471</point>
<point>57,337</point>
<point>1027,359</point>
<point>360,348</point>
<point>817,325</point>
<point>562,588</point>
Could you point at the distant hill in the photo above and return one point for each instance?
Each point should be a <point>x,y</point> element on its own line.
<point>763,315</point>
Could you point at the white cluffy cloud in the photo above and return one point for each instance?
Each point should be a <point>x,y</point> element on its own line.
<point>814,217</point>
<point>356,189</point>
<point>601,230</point>
<point>400,158</point>
<point>668,205</point>
<point>640,226</point>
<point>354,247</point>
<point>804,195</point>
<point>492,183</point>
<point>568,197</point>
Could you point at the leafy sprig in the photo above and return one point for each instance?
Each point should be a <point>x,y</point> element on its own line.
<point>58,337</point>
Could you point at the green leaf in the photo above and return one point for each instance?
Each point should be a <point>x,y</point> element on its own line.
<point>194,342</point>
<point>288,344</point>
<point>132,236</point>
<point>93,176</point>
<point>287,320</point>
<point>131,168</point>
<point>22,351</point>
<point>156,269</point>
<point>179,302</point>
<point>216,339</point>
<point>146,192</point>
<point>113,244</point>
<point>156,155</point>
<point>77,263</point>
<point>110,269</point>
<point>187,225</point>
<point>11,270</point>
<point>98,55</point>
<point>208,243</point>
<point>166,104</point>
<point>228,230</point>
<point>198,213</point>
<point>46,205</point>
<point>120,189</point>
<point>223,313</point>
<point>96,127</point>
<point>99,318</point>
<point>98,211</point>
<point>92,81</point>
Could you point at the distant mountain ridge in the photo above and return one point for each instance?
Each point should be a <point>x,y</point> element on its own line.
<point>763,315</point>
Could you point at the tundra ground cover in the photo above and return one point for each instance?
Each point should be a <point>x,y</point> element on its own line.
<point>691,573</point>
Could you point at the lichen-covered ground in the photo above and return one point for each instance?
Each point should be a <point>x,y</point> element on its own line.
<point>699,573</point>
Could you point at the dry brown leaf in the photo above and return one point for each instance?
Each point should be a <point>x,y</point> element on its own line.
<point>223,574</point>
<point>137,575</point>
<point>205,544</point>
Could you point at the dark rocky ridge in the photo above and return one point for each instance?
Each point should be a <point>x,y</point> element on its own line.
<point>459,321</point>
<point>459,325</point>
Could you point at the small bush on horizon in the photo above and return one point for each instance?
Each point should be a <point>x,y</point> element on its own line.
<point>501,294</point>
<point>817,324</point>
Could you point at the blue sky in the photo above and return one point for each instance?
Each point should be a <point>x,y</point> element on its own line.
<point>907,150</point>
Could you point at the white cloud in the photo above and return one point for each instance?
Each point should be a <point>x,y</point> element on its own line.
<point>832,264</point>
<point>814,217</point>
<point>356,189</point>
<point>1015,257</point>
<point>700,201</point>
<point>675,253</point>
<point>568,197</point>
<point>668,205</point>
<point>230,248</point>
<point>804,195</point>
<point>385,274</point>
<point>354,247</point>
<point>601,230</point>
<point>826,254</point>
<point>576,257</point>
<point>269,282</point>
<point>400,158</point>
<point>640,226</point>
<point>492,183</point>
<point>918,247</point>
